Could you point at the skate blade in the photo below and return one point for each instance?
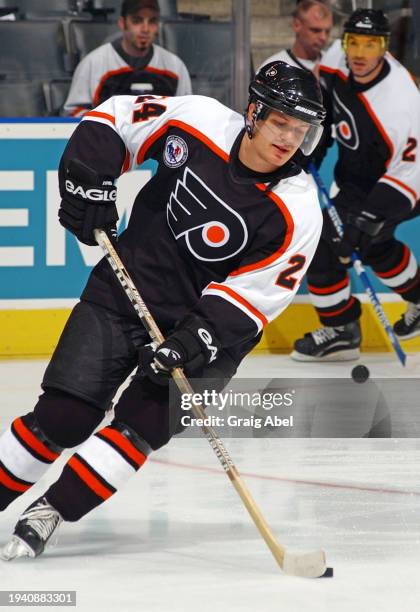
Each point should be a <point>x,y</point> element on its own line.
<point>350,355</point>
<point>16,548</point>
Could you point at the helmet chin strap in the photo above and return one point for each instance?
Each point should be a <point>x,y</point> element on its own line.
<point>249,127</point>
<point>259,112</point>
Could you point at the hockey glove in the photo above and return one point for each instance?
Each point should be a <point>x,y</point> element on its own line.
<point>191,346</point>
<point>88,203</point>
<point>359,230</point>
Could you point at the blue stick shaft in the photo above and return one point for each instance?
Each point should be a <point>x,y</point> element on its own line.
<point>358,266</point>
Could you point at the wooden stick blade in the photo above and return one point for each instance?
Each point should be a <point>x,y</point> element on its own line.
<point>306,565</point>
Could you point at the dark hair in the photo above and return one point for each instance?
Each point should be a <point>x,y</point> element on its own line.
<point>131,7</point>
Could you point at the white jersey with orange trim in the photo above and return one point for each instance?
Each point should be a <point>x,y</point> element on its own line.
<point>377,130</point>
<point>286,55</point>
<point>205,234</point>
<point>104,73</point>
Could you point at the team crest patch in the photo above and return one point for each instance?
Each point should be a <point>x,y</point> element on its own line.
<point>176,152</point>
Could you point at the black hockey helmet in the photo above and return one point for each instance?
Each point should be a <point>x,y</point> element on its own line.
<point>293,91</point>
<point>289,89</point>
<point>368,21</point>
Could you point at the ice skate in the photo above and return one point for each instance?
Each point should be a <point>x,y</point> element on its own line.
<point>409,324</point>
<point>329,344</point>
<point>32,531</point>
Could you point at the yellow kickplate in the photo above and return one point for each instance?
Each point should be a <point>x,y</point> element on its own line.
<point>280,335</point>
<point>35,333</point>
<point>30,333</point>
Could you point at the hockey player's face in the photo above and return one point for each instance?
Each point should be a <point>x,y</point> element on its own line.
<point>139,31</point>
<point>278,137</point>
<point>312,31</point>
<point>364,54</point>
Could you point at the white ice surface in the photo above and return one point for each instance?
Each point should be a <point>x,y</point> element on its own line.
<point>178,539</point>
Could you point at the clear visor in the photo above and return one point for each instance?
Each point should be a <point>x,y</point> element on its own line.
<point>290,133</point>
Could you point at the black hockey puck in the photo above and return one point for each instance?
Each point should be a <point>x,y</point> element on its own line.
<point>329,573</point>
<point>360,374</point>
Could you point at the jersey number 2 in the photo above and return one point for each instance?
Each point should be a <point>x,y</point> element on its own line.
<point>285,278</point>
<point>409,154</point>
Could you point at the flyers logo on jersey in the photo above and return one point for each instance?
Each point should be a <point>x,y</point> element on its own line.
<point>346,129</point>
<point>211,229</point>
<point>176,152</point>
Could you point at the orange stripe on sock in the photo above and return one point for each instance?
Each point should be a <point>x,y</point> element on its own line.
<point>122,442</point>
<point>336,312</point>
<point>399,267</point>
<point>12,484</point>
<point>32,441</point>
<point>88,478</point>
<point>409,287</point>
<point>330,289</point>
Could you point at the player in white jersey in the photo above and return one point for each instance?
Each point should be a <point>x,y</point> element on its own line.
<point>312,23</point>
<point>132,64</point>
<point>218,242</point>
<point>376,113</point>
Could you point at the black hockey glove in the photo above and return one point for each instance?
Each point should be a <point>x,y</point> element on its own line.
<point>88,203</point>
<point>191,346</point>
<point>359,230</point>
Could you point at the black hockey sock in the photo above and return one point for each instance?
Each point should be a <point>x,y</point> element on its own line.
<point>7,496</point>
<point>66,419</point>
<point>396,266</point>
<point>101,465</point>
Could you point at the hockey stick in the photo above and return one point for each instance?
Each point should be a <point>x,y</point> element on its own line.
<point>358,266</point>
<point>307,565</point>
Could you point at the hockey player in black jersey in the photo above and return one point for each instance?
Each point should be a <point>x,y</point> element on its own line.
<point>218,243</point>
<point>376,113</point>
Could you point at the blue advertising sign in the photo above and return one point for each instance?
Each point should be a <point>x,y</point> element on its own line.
<point>38,258</point>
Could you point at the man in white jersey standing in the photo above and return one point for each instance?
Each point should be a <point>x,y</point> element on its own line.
<point>132,64</point>
<point>376,113</point>
<point>312,24</point>
<point>218,242</point>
